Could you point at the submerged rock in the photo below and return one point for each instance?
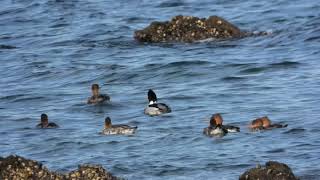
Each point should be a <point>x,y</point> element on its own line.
<point>272,171</point>
<point>188,29</point>
<point>17,168</point>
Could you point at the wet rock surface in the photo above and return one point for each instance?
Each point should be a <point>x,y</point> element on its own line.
<point>17,168</point>
<point>272,171</point>
<point>188,29</point>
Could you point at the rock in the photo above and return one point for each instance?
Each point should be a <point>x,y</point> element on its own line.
<point>188,29</point>
<point>90,171</point>
<point>272,171</point>
<point>17,168</point>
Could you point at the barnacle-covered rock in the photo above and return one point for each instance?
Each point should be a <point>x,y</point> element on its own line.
<point>91,172</point>
<point>188,29</point>
<point>272,171</point>
<point>17,168</point>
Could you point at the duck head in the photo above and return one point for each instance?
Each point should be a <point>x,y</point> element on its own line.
<point>152,97</point>
<point>44,120</point>
<point>95,90</point>
<point>216,119</point>
<point>256,124</point>
<point>107,123</point>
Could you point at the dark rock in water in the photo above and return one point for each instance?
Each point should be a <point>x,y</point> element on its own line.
<point>188,29</point>
<point>90,172</point>
<point>272,171</point>
<point>17,168</point>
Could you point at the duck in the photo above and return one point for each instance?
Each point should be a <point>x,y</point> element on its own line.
<point>267,124</point>
<point>119,129</point>
<point>217,130</point>
<point>216,119</point>
<point>264,123</point>
<point>44,122</point>
<point>154,108</point>
<point>96,97</point>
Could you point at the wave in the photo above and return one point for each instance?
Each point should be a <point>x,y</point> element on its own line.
<point>186,63</point>
<point>295,131</point>
<point>256,68</point>
<point>253,70</point>
<point>2,46</point>
<point>233,78</point>
<point>284,64</point>
<point>174,3</point>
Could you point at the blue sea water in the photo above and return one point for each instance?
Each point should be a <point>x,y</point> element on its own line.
<point>51,51</point>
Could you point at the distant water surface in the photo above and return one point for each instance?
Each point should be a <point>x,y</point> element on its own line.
<point>51,51</point>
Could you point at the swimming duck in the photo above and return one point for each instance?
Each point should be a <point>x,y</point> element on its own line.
<point>110,129</point>
<point>265,123</point>
<point>215,127</point>
<point>96,97</point>
<point>155,108</point>
<point>216,119</point>
<point>217,130</point>
<point>45,122</point>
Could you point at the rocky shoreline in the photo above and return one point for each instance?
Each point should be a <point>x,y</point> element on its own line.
<point>18,168</point>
